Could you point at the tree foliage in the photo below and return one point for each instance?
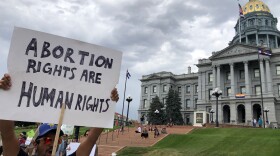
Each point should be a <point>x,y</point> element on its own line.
<point>156,118</point>
<point>173,107</point>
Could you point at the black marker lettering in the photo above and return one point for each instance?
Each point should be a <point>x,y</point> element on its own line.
<point>32,46</point>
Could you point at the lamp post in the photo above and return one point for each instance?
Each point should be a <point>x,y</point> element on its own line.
<point>211,111</point>
<point>128,99</point>
<point>156,113</point>
<point>217,92</point>
<point>266,110</point>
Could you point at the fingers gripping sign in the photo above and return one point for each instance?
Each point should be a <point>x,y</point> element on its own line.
<point>5,82</point>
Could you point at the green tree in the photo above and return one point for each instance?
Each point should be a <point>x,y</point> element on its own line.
<point>173,107</point>
<point>156,117</point>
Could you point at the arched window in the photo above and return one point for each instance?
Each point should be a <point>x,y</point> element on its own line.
<point>259,22</point>
<point>266,22</point>
<point>250,22</point>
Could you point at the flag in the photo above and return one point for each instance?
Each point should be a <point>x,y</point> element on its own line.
<point>266,52</point>
<point>240,11</point>
<point>127,74</point>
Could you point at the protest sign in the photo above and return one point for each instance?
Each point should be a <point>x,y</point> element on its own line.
<point>48,70</point>
<point>73,146</point>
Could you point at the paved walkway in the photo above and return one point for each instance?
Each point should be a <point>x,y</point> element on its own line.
<point>115,141</point>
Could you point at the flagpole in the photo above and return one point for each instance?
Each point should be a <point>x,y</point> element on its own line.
<point>239,30</point>
<point>261,90</point>
<point>122,126</point>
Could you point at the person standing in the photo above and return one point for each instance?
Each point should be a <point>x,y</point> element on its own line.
<point>260,122</point>
<point>254,122</point>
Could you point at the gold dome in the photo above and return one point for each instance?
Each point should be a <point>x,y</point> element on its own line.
<point>255,5</point>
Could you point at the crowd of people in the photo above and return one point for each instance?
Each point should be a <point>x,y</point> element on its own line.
<point>145,132</point>
<point>43,143</point>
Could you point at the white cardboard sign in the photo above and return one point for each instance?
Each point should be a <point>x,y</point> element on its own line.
<point>73,146</point>
<point>48,70</point>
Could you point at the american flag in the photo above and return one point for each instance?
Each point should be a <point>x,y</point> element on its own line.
<point>240,11</point>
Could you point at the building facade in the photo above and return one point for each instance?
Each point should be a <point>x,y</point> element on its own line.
<point>236,69</point>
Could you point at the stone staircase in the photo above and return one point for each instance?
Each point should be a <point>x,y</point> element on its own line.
<point>110,142</point>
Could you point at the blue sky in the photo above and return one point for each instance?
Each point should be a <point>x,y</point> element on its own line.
<point>154,36</point>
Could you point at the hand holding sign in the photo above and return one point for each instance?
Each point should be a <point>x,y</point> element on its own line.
<point>5,82</point>
<point>49,70</point>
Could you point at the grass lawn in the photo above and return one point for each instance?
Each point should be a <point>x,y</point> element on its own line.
<point>214,142</point>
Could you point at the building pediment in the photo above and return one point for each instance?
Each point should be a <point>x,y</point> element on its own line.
<point>234,50</point>
<point>153,76</point>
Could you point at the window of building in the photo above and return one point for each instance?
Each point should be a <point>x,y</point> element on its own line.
<point>146,90</point>
<point>242,74</point>
<point>256,72</point>
<point>154,89</point>
<point>195,101</point>
<point>260,22</point>
<point>210,78</point>
<point>196,88</point>
<point>210,93</point>
<point>278,89</point>
<point>188,89</point>
<point>164,88</point>
<point>164,101</point>
<point>278,70</point>
<point>145,103</point>
<point>179,89</point>
<point>258,90</point>
<point>188,103</point>
<point>242,90</point>
<point>227,75</point>
<point>228,91</point>
<point>266,22</point>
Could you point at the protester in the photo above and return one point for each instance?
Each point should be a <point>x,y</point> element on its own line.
<point>21,140</point>
<point>156,132</point>
<point>144,133</point>
<point>62,147</point>
<point>254,123</point>
<point>45,139</point>
<point>260,122</point>
<point>138,130</point>
<point>163,130</point>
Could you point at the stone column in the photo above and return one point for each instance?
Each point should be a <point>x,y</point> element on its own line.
<point>248,113</point>
<point>267,40</point>
<point>257,39</point>
<point>232,83</point>
<point>199,86</point>
<point>218,77</point>
<point>247,82</point>
<point>264,90</point>
<point>233,113</point>
<point>214,77</point>
<point>276,41</point>
<point>268,77</point>
<point>246,39</point>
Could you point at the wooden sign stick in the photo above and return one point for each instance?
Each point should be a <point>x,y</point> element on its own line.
<point>58,129</point>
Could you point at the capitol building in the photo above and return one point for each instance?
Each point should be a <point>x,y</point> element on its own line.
<point>250,83</point>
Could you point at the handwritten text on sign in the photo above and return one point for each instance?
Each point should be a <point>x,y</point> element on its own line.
<point>49,70</point>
